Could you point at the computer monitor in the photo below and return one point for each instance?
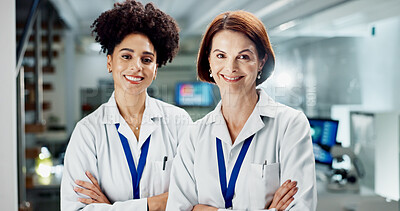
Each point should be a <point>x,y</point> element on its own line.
<point>194,94</point>
<point>323,134</point>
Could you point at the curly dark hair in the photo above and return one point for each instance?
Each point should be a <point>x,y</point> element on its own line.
<point>128,17</point>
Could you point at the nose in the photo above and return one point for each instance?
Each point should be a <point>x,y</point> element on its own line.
<point>136,64</point>
<point>231,65</point>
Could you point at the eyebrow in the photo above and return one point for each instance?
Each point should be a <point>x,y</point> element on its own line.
<point>219,50</point>
<point>246,50</point>
<point>242,51</point>
<point>131,50</point>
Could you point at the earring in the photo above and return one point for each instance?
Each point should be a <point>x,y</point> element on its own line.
<point>259,75</point>
<point>210,73</point>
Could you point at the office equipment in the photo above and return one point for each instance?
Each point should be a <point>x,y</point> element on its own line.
<point>323,134</point>
<point>347,170</point>
<point>194,94</point>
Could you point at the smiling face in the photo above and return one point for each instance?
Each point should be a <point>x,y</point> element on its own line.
<point>234,62</point>
<point>133,64</point>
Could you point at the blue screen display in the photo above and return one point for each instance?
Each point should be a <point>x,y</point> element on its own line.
<point>323,134</point>
<point>194,94</point>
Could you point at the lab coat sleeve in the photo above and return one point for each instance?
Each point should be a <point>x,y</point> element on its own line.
<point>297,162</point>
<point>184,123</point>
<point>182,190</point>
<point>81,156</point>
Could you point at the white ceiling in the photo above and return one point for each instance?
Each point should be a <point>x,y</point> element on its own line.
<point>284,19</point>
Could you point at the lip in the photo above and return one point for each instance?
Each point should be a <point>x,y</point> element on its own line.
<point>133,79</point>
<point>231,79</point>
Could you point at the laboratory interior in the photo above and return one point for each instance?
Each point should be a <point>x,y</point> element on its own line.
<point>336,60</point>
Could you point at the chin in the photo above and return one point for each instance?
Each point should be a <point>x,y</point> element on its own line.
<point>133,91</point>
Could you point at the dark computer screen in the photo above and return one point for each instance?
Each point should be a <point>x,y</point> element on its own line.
<point>323,134</point>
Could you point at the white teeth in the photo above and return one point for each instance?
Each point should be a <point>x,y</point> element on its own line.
<point>133,78</point>
<point>232,79</point>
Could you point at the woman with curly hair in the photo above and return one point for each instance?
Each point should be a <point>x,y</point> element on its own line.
<point>119,157</point>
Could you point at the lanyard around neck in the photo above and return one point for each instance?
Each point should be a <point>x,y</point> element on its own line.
<point>228,191</point>
<point>135,174</point>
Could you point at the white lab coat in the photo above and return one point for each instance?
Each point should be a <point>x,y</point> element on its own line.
<point>95,146</point>
<point>282,138</point>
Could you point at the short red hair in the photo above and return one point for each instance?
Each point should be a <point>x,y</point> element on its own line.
<point>239,21</point>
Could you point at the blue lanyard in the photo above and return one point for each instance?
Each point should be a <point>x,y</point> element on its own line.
<point>136,175</point>
<point>228,192</point>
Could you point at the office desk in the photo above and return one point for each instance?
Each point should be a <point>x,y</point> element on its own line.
<point>366,200</point>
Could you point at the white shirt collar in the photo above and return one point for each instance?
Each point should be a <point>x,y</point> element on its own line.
<point>265,106</point>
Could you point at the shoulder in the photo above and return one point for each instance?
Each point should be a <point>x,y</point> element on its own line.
<point>284,111</point>
<point>171,112</point>
<point>291,123</point>
<point>93,121</point>
<point>279,112</point>
<point>202,126</point>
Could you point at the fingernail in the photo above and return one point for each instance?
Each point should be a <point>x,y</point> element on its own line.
<point>75,189</point>
<point>76,181</point>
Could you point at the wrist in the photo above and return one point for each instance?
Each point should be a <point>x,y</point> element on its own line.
<point>152,205</point>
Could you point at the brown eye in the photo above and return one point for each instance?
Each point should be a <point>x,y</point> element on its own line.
<point>126,56</point>
<point>147,60</point>
<point>220,56</point>
<point>245,57</point>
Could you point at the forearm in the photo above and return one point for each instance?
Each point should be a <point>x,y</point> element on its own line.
<point>297,160</point>
<point>273,209</point>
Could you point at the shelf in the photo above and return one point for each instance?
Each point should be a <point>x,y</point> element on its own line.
<point>31,53</point>
<point>35,128</point>
<point>46,69</point>
<point>32,153</point>
<point>46,86</point>
<point>56,38</point>
<point>56,25</point>
<point>32,106</point>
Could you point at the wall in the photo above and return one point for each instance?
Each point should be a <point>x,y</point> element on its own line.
<point>89,67</point>
<point>8,148</point>
<point>325,72</point>
<point>379,66</point>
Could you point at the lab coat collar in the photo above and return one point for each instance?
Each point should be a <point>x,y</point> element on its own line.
<point>112,115</point>
<point>264,107</point>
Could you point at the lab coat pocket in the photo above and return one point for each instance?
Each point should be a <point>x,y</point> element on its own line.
<point>166,175</point>
<point>263,182</point>
<point>162,170</point>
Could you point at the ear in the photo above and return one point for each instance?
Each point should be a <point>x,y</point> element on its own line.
<point>155,73</point>
<point>263,61</point>
<point>109,61</point>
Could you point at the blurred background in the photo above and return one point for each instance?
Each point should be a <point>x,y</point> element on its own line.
<point>336,60</point>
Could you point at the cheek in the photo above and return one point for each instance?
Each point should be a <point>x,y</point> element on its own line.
<point>119,65</point>
<point>217,64</point>
<point>249,67</point>
<point>150,69</point>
